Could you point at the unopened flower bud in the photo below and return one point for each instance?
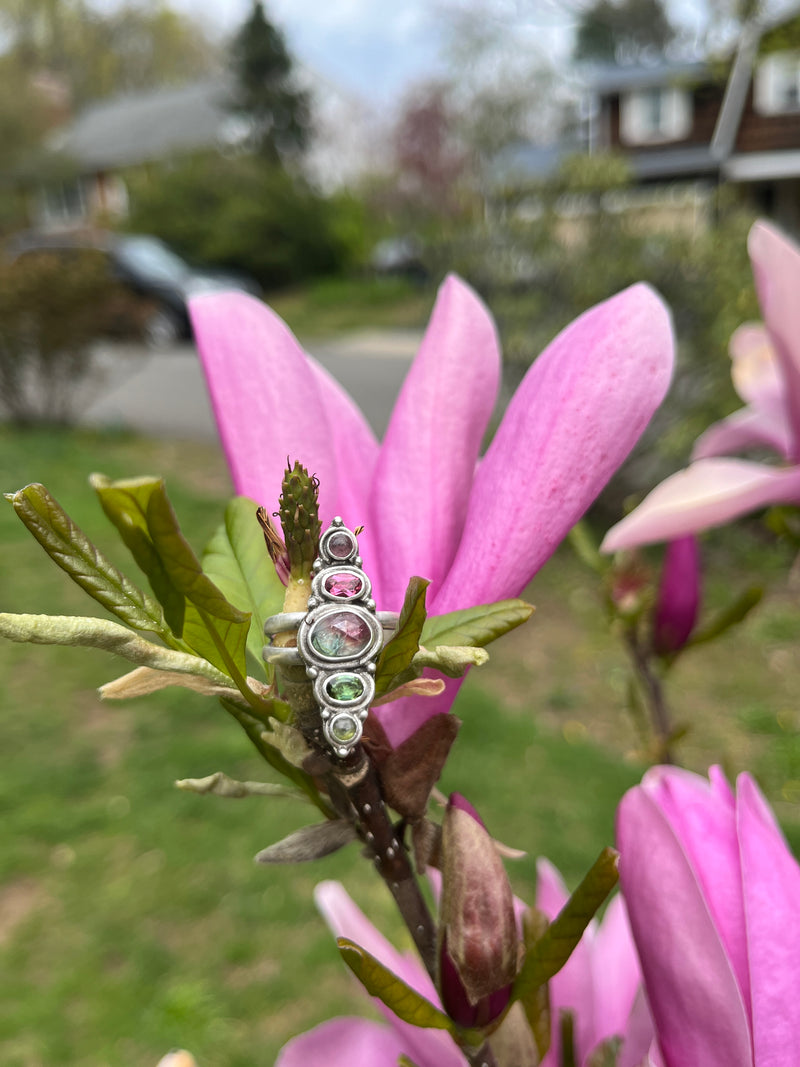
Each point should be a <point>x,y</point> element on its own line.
<point>478,952</point>
<point>678,596</point>
<point>630,586</point>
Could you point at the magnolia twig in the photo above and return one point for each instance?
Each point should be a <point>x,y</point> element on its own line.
<point>654,696</point>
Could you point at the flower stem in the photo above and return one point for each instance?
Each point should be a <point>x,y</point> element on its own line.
<point>653,692</point>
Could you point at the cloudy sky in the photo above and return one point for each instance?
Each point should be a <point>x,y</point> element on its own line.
<point>376,47</point>
<point>379,47</point>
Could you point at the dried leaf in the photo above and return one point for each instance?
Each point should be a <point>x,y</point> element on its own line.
<point>145,680</point>
<point>289,742</point>
<point>220,785</point>
<point>310,843</point>
<point>421,687</point>
<point>409,772</point>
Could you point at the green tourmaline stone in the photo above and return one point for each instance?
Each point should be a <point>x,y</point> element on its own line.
<point>344,687</point>
<point>344,728</point>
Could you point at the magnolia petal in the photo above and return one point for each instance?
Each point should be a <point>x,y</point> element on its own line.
<point>696,1004</point>
<point>427,461</point>
<point>580,409</point>
<point>776,268</point>
<point>344,1043</point>
<point>616,974</point>
<point>639,1040</point>
<point>709,493</point>
<point>405,716</point>
<point>572,988</point>
<point>427,1048</point>
<point>269,402</point>
<point>705,824</point>
<point>356,455</point>
<point>771,880</point>
<point>743,430</point>
<point>756,371</point>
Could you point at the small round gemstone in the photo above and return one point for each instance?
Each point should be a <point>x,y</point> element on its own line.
<point>340,635</point>
<point>344,729</point>
<point>343,585</point>
<point>340,545</point>
<point>344,687</point>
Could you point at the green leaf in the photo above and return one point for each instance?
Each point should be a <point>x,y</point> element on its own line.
<point>732,615</point>
<point>452,660</point>
<point>552,950</point>
<point>107,635</point>
<point>236,560</point>
<point>404,1061</point>
<point>125,503</point>
<point>69,547</point>
<point>537,1004</point>
<point>400,998</point>
<point>394,665</point>
<point>207,622</point>
<point>476,626</point>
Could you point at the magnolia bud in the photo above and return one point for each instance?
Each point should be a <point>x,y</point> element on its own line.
<point>678,596</point>
<point>478,952</point>
<point>299,515</point>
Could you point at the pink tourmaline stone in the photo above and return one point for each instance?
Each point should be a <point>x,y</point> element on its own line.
<point>339,545</point>
<point>340,635</point>
<point>343,585</point>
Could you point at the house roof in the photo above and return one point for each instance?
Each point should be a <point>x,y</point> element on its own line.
<point>611,77</point>
<point>673,162</point>
<point>529,161</point>
<point>142,127</point>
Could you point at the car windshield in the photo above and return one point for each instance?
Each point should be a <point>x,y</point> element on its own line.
<point>150,258</point>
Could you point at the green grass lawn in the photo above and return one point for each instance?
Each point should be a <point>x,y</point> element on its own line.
<point>333,306</point>
<point>132,917</point>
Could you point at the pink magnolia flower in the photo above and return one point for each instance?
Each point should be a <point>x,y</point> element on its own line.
<point>478,531</point>
<point>353,1042</point>
<point>766,374</point>
<point>713,896</point>
<point>601,983</point>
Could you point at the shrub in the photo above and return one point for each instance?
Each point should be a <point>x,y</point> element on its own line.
<point>50,311</point>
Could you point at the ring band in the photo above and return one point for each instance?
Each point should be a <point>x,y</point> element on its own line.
<point>339,637</point>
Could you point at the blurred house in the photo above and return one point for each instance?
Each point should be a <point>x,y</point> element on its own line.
<point>736,123</point>
<point>144,131</point>
<point>686,128</point>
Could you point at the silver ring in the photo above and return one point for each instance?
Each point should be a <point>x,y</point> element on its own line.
<point>339,637</point>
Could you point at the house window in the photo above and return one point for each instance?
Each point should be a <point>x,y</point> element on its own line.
<point>777,84</point>
<point>653,116</point>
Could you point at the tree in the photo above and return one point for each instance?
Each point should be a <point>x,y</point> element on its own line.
<point>622,31</point>
<point>136,46</point>
<point>266,92</point>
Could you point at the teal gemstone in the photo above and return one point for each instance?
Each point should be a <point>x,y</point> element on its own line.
<point>344,687</point>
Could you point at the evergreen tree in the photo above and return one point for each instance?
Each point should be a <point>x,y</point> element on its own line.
<point>265,90</point>
<point>622,31</point>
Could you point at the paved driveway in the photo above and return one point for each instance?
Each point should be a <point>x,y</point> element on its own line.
<point>164,393</point>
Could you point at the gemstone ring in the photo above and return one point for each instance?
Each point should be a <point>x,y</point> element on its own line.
<point>339,637</point>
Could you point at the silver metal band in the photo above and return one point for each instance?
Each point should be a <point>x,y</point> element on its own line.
<point>339,637</point>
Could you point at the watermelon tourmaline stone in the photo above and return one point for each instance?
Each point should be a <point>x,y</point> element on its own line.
<point>340,545</point>
<point>344,687</point>
<point>343,586</point>
<point>340,635</point>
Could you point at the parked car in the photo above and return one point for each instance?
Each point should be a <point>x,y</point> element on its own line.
<point>154,282</point>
